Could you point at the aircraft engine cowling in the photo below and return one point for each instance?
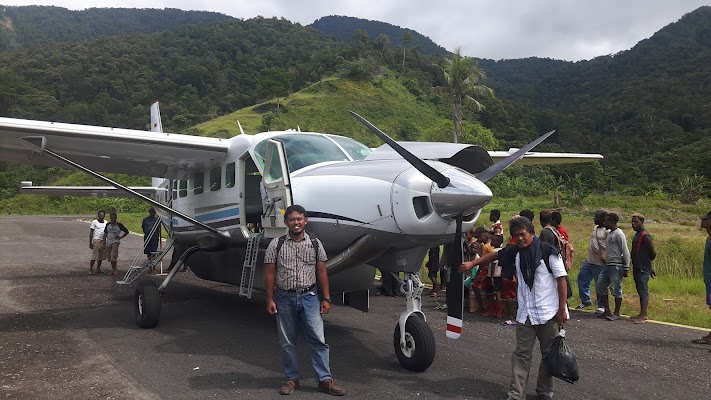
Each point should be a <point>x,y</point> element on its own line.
<point>420,207</point>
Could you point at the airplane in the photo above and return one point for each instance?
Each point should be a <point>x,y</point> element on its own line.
<point>223,201</point>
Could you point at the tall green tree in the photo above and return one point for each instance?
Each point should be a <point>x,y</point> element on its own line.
<point>462,77</point>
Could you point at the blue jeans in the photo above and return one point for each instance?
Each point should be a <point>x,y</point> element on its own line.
<point>301,309</point>
<point>641,282</point>
<point>588,273</point>
<point>610,277</point>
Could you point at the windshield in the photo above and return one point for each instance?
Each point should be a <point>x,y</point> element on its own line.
<point>302,150</point>
<point>357,150</point>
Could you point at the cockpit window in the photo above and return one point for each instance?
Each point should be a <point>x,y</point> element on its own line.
<point>357,150</point>
<point>302,150</point>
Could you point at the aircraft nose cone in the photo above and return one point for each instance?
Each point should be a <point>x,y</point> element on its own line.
<point>464,195</point>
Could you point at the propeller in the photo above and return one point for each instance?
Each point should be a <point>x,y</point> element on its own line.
<point>455,286</point>
<point>434,175</point>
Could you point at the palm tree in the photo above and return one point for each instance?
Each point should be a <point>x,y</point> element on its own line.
<point>462,76</point>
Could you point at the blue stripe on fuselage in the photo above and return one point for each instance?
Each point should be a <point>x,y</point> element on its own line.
<point>230,212</point>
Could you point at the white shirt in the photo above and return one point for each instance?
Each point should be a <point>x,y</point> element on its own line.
<point>98,228</point>
<point>539,304</point>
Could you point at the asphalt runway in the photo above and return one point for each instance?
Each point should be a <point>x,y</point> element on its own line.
<point>67,334</point>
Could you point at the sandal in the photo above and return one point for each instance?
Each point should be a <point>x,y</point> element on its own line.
<point>508,323</point>
<point>702,340</point>
<point>640,321</point>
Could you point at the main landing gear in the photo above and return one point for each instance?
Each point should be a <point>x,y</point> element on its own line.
<point>413,339</point>
<point>146,297</point>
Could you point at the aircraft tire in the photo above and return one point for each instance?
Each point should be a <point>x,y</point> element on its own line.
<point>146,304</point>
<point>420,345</point>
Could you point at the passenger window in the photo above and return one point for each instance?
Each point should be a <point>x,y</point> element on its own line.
<point>183,189</point>
<point>175,189</point>
<point>230,175</point>
<point>198,182</point>
<point>215,179</point>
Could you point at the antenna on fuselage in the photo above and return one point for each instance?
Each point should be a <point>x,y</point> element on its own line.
<point>240,128</point>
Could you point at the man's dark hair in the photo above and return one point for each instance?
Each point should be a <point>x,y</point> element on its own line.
<point>295,208</point>
<point>495,213</point>
<point>518,223</point>
<point>613,217</point>
<point>101,211</point>
<point>528,214</point>
<point>151,210</point>
<point>556,217</point>
<point>545,217</point>
<point>600,214</point>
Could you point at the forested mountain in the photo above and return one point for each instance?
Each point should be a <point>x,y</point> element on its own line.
<point>343,29</point>
<point>198,71</point>
<point>646,109</point>
<point>29,26</point>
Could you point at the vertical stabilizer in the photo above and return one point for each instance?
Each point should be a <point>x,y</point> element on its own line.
<point>156,124</point>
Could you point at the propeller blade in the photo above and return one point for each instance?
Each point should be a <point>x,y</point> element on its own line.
<point>497,168</point>
<point>426,169</point>
<point>455,286</point>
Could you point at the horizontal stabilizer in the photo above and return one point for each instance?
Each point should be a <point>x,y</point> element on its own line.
<point>90,191</point>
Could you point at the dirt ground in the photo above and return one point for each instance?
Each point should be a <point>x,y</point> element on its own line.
<point>67,334</point>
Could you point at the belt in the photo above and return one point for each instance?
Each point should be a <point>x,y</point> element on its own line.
<point>302,290</point>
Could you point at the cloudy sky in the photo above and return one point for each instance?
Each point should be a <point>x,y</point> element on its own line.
<point>562,29</point>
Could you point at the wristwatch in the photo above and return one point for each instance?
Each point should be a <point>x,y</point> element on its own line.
<point>327,299</point>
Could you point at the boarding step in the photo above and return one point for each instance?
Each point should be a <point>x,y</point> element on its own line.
<point>250,265</point>
<point>137,270</point>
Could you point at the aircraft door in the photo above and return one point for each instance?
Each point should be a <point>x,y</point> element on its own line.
<point>276,185</point>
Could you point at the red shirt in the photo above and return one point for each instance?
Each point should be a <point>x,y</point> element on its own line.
<point>563,232</point>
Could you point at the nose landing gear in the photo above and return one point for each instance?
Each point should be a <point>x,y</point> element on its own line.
<point>413,339</point>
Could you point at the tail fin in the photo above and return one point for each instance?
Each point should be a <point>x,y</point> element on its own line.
<point>156,124</point>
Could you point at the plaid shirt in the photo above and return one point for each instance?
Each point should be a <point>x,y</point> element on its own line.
<point>296,264</point>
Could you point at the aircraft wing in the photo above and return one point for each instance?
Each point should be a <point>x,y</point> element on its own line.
<point>535,158</point>
<point>474,159</point>
<point>125,151</point>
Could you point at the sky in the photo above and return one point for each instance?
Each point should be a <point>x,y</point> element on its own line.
<point>570,30</point>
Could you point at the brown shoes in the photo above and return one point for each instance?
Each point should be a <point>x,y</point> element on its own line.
<point>289,386</point>
<point>328,386</point>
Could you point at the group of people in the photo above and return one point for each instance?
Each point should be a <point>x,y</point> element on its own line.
<point>535,269</point>
<point>105,238</point>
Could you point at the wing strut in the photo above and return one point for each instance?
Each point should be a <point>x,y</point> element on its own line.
<point>31,142</point>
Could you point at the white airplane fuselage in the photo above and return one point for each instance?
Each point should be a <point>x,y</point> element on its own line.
<point>388,201</point>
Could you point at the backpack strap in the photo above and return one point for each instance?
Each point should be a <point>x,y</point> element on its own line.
<point>282,239</point>
<point>639,242</point>
<point>546,251</point>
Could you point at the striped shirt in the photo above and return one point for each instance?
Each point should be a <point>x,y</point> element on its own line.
<point>296,264</point>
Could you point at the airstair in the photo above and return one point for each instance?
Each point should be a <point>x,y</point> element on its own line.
<point>137,267</point>
<point>250,265</point>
